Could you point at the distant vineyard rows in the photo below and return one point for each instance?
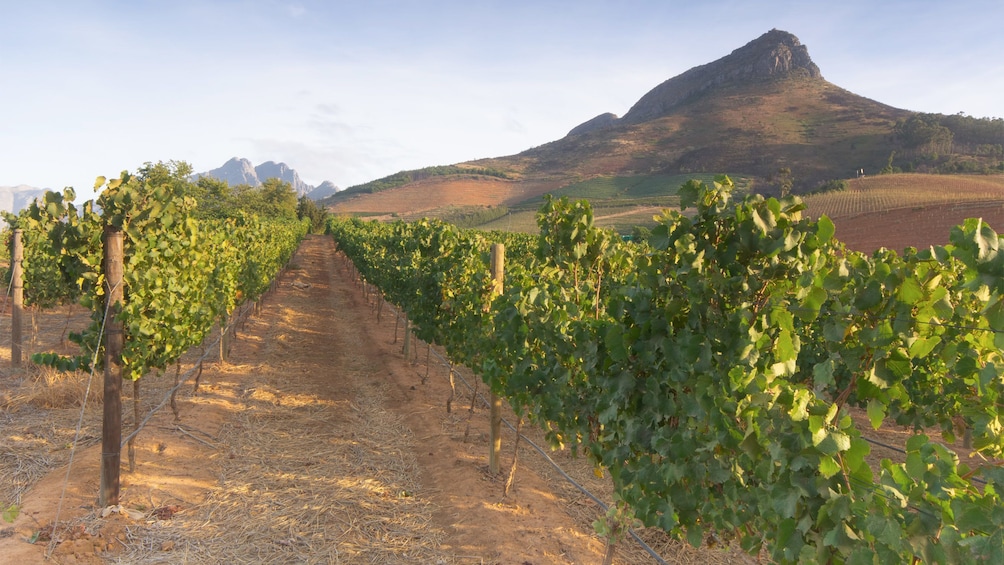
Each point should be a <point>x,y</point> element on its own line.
<point>903,191</point>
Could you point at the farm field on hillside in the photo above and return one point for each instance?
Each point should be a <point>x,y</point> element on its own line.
<point>890,192</point>
<point>896,211</point>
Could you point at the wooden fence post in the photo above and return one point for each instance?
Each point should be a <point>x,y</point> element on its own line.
<point>495,447</point>
<point>111,429</point>
<point>17,311</point>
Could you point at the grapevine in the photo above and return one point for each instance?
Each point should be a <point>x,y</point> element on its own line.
<point>709,370</point>
<point>182,275</point>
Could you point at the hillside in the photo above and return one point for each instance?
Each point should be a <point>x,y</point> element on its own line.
<point>762,109</point>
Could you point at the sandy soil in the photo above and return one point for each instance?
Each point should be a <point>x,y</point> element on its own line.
<point>318,442</point>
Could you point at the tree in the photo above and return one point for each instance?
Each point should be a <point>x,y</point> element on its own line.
<point>307,208</point>
<point>278,198</point>
<point>173,175</point>
<point>216,198</point>
<point>923,132</point>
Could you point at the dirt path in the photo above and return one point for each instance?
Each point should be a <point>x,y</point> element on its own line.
<point>317,443</point>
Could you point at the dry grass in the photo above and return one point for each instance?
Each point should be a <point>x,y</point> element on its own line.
<point>343,493</point>
<point>39,418</point>
<point>48,388</point>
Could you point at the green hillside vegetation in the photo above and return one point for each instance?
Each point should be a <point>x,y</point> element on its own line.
<point>936,143</point>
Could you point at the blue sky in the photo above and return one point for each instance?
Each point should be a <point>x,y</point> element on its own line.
<point>350,91</point>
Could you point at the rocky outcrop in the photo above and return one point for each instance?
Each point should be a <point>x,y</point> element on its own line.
<point>774,55</point>
<point>599,122</point>
<point>326,188</point>
<point>14,198</point>
<point>235,171</point>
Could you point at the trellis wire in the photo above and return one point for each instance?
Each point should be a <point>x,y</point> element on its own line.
<point>76,436</point>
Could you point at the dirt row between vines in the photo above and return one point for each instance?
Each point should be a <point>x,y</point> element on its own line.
<point>318,442</point>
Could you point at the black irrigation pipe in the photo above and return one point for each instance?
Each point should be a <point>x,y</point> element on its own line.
<point>903,451</point>
<point>658,558</point>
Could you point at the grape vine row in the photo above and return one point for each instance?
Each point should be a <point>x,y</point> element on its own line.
<point>710,369</point>
<point>182,275</point>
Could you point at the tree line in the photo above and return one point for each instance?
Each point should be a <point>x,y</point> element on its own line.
<point>216,199</point>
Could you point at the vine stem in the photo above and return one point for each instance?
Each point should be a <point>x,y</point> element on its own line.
<point>515,457</point>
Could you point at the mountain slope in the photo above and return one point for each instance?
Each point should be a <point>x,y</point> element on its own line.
<point>763,109</point>
<point>14,198</point>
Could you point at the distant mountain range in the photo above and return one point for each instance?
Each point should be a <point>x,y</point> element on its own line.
<point>235,171</point>
<point>15,198</point>
<point>241,171</point>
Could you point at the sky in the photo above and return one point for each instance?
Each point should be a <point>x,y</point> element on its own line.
<point>353,90</point>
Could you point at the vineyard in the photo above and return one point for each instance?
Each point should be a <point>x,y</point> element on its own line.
<point>711,371</point>
<point>891,192</point>
<point>723,377</point>
<point>156,280</point>
<point>908,210</point>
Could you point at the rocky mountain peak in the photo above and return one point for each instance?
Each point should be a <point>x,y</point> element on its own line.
<point>281,171</point>
<point>774,55</point>
<point>236,171</point>
<point>242,171</point>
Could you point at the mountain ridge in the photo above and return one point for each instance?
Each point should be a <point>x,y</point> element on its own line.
<point>763,114</point>
<point>775,54</point>
<point>15,198</point>
<point>239,170</point>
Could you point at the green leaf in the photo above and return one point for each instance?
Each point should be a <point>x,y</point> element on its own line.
<point>799,409</point>
<point>825,229</point>
<point>813,301</point>
<point>870,297</point>
<point>910,292</point>
<point>915,466</point>
<point>822,375</point>
<point>876,412</point>
<point>923,347</point>
<point>995,314</point>
<point>690,193</point>
<point>828,466</point>
<point>695,535</point>
<point>785,349</point>
<point>614,340</point>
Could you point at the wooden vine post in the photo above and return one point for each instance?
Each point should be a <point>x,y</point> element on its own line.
<point>17,312</point>
<point>111,429</point>
<point>498,276</point>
